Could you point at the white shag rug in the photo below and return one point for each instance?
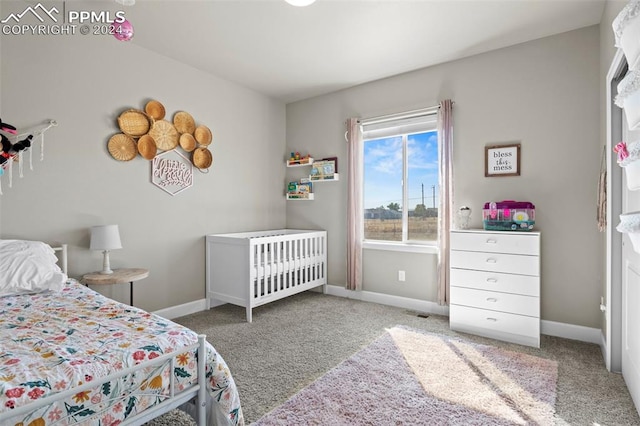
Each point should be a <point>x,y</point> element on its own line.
<point>413,377</point>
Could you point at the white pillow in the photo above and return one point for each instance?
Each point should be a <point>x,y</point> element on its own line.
<point>28,267</point>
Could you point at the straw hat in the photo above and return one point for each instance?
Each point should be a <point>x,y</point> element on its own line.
<point>134,123</point>
<point>147,147</point>
<point>202,158</point>
<point>155,110</point>
<point>187,142</point>
<point>164,134</point>
<point>184,122</point>
<point>203,135</point>
<point>122,147</point>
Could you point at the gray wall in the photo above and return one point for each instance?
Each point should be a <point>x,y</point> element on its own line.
<point>544,94</point>
<point>85,83</point>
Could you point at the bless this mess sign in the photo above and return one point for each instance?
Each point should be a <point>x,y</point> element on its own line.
<point>502,160</point>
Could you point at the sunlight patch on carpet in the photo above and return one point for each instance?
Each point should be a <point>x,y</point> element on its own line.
<point>412,377</point>
<point>512,386</point>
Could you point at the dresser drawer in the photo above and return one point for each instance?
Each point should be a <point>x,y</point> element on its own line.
<point>495,301</point>
<point>495,242</point>
<point>496,262</point>
<point>499,325</point>
<point>495,281</point>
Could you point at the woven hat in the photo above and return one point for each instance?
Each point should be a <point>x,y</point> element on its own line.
<point>187,142</point>
<point>155,110</point>
<point>203,135</point>
<point>134,123</point>
<point>147,147</point>
<point>202,158</point>
<point>164,134</point>
<point>122,147</point>
<point>184,122</point>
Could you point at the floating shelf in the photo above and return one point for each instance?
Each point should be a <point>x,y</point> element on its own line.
<point>300,163</point>
<point>308,197</point>
<point>334,178</point>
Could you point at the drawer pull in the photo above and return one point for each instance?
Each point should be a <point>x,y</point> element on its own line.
<point>492,299</point>
<point>491,260</point>
<point>492,241</point>
<point>492,280</point>
<point>492,319</point>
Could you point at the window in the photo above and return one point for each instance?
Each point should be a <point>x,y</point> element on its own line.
<point>401,179</point>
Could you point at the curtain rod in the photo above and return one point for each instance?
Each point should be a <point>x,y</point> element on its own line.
<point>400,116</point>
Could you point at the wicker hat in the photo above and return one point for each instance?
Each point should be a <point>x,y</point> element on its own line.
<point>134,123</point>
<point>187,142</point>
<point>155,110</point>
<point>147,147</point>
<point>184,122</point>
<point>122,147</point>
<point>202,158</point>
<point>164,134</point>
<point>203,135</point>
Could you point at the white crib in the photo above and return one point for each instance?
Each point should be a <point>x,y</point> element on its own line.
<point>253,268</point>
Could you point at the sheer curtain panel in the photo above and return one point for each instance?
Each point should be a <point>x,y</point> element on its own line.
<point>355,213</point>
<point>445,153</point>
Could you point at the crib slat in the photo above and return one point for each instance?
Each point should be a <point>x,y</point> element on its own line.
<point>272,267</point>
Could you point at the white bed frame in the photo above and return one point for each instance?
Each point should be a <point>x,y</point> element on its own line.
<point>173,400</point>
<point>250,269</point>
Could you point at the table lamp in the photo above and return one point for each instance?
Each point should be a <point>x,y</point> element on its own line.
<point>105,238</point>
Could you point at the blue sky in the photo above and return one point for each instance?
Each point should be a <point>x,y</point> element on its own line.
<point>383,170</point>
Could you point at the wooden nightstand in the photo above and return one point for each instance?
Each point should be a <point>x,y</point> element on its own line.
<point>119,276</point>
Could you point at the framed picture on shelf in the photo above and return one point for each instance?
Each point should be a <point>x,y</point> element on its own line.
<point>335,163</point>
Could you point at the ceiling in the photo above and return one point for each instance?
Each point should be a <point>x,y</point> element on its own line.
<point>293,53</point>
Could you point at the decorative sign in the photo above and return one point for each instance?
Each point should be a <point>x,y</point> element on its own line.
<point>502,160</point>
<point>172,172</point>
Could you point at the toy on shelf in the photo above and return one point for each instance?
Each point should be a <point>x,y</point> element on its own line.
<point>295,159</point>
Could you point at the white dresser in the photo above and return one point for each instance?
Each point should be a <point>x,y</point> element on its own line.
<point>495,285</point>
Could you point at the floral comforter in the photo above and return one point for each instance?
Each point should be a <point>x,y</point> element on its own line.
<point>52,342</point>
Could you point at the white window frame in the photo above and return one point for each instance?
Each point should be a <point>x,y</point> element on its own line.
<point>410,123</point>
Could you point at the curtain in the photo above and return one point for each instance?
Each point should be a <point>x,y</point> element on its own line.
<point>355,213</point>
<point>445,151</point>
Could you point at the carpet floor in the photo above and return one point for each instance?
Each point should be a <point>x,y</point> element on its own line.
<point>293,342</point>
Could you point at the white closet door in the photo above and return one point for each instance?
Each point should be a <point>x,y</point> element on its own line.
<point>630,289</point>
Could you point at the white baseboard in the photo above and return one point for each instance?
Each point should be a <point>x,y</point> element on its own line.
<point>387,299</point>
<point>182,310</point>
<point>550,328</point>
<point>571,331</point>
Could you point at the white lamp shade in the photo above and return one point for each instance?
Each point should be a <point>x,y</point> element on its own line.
<point>106,237</point>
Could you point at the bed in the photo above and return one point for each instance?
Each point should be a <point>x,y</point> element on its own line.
<point>250,269</point>
<point>69,355</point>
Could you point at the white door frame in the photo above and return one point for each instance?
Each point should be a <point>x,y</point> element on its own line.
<point>613,314</point>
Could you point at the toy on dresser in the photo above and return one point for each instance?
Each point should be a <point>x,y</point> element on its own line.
<point>508,215</point>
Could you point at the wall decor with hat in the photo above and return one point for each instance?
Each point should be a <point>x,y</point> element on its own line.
<point>174,147</point>
<point>15,145</point>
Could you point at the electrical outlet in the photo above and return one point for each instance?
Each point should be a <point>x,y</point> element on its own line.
<point>401,276</point>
